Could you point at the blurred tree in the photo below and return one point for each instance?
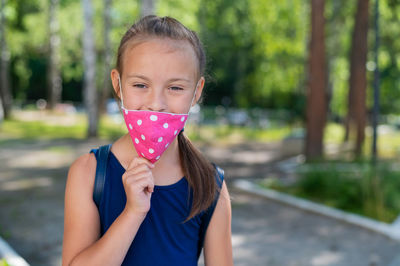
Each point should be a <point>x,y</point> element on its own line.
<point>335,28</point>
<point>53,68</point>
<point>389,56</point>
<point>280,31</point>
<point>357,112</point>
<point>339,14</point>
<point>147,7</point>
<point>4,65</point>
<point>316,95</point>
<point>183,10</point>
<point>256,52</point>
<point>89,60</point>
<point>228,35</point>
<point>107,55</point>
<point>256,49</point>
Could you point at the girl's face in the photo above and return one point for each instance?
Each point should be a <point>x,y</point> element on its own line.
<point>159,75</point>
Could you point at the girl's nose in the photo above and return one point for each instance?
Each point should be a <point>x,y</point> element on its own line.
<point>155,101</point>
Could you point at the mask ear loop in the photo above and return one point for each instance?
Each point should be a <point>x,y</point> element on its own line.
<point>120,90</point>
<point>194,96</point>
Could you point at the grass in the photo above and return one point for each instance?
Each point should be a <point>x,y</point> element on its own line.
<point>235,134</point>
<point>38,130</point>
<point>354,187</point>
<point>388,141</point>
<point>54,126</point>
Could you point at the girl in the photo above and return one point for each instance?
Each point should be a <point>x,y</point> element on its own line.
<point>158,188</point>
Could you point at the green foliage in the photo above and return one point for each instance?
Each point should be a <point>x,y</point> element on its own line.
<point>182,10</point>
<point>340,15</point>
<point>340,19</point>
<point>257,50</point>
<point>389,61</point>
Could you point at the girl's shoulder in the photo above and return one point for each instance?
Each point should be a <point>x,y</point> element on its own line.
<point>84,163</point>
<point>82,172</point>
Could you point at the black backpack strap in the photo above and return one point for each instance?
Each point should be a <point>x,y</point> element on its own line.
<point>101,169</point>
<point>209,212</point>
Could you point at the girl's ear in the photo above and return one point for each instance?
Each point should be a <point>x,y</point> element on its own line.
<point>199,90</point>
<point>115,82</point>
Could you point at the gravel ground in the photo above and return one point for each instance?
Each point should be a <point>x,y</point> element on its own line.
<point>32,182</point>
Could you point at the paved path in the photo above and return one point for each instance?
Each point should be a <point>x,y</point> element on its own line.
<point>268,233</point>
<point>32,182</point>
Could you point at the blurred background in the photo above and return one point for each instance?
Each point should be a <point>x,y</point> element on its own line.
<point>301,96</point>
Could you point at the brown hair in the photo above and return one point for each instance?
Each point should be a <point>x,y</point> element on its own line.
<point>198,171</point>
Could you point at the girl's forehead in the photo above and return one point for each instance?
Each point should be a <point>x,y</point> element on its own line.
<point>161,52</point>
<point>160,45</point>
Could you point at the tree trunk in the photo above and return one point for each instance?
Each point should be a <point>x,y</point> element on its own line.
<point>89,62</point>
<point>106,88</point>
<point>358,75</point>
<point>4,66</point>
<point>316,96</point>
<point>54,76</point>
<point>147,7</point>
<point>333,47</point>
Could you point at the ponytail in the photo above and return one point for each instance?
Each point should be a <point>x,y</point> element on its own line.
<point>200,174</point>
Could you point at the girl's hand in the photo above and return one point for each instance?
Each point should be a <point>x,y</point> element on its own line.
<point>138,183</point>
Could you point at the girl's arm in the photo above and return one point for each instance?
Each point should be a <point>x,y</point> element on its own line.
<point>82,244</point>
<point>217,243</point>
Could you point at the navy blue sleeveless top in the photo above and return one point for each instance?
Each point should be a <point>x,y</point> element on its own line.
<point>163,237</point>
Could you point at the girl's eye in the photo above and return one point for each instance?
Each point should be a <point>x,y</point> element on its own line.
<point>140,86</point>
<point>176,88</point>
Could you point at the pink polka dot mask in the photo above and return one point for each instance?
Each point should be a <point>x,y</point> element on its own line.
<point>152,132</point>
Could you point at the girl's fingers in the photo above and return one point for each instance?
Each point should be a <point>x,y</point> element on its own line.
<point>139,168</point>
<point>139,160</point>
<point>137,173</point>
<point>142,182</point>
<point>131,178</point>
